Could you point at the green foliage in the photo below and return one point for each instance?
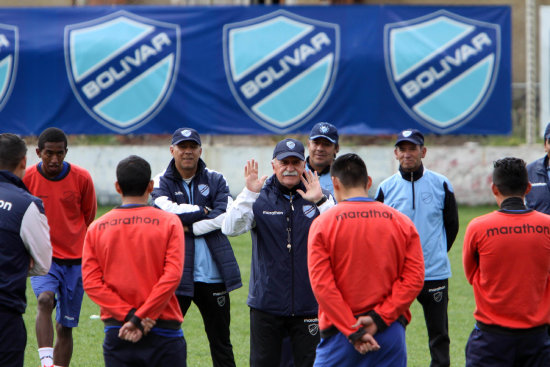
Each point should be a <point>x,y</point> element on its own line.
<point>88,337</point>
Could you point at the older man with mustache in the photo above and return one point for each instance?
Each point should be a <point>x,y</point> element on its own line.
<point>279,215</point>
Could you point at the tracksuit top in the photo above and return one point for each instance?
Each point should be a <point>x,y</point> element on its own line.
<point>24,233</point>
<point>364,257</point>
<point>506,258</point>
<point>277,217</point>
<point>539,196</point>
<point>70,204</point>
<point>427,198</point>
<point>209,190</point>
<point>132,264</point>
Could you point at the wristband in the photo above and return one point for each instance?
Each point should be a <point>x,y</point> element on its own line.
<point>322,201</point>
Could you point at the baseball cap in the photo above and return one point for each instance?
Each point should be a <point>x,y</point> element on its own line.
<point>324,130</point>
<point>184,134</point>
<point>289,148</point>
<point>547,132</point>
<point>411,135</point>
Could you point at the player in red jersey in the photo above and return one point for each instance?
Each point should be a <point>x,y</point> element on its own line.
<point>506,257</point>
<point>131,266</point>
<point>69,200</point>
<point>366,268</point>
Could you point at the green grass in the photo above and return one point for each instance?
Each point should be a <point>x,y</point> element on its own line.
<point>88,337</point>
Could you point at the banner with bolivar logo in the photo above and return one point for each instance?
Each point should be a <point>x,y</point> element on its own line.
<point>256,70</point>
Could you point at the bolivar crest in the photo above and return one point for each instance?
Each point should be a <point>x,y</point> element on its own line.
<point>122,67</point>
<point>442,67</point>
<point>9,54</point>
<point>281,67</point>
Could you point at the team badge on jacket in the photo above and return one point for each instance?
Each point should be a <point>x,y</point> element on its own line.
<point>122,67</point>
<point>442,67</point>
<point>309,210</point>
<point>281,67</point>
<point>204,189</point>
<point>9,54</point>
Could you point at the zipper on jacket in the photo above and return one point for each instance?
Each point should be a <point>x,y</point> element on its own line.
<point>412,182</point>
<point>291,253</point>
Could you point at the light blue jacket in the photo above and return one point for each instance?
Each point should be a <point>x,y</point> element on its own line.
<point>427,198</point>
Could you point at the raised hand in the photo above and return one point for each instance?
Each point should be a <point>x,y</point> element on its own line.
<point>313,191</point>
<point>251,176</point>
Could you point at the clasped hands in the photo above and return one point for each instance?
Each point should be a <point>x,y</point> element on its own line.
<point>132,333</point>
<point>366,343</point>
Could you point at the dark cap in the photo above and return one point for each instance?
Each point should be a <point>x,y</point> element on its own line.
<point>324,130</point>
<point>547,132</point>
<point>289,148</point>
<point>411,135</point>
<point>184,134</point>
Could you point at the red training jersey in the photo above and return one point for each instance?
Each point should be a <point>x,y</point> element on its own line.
<point>506,258</point>
<point>363,256</point>
<point>70,205</point>
<point>133,258</point>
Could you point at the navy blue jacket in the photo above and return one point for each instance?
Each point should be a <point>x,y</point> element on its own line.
<point>15,203</point>
<point>539,196</point>
<point>210,190</point>
<point>279,280</point>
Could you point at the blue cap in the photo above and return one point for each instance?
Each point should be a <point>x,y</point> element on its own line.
<point>185,134</point>
<point>547,132</point>
<point>289,148</point>
<point>411,135</point>
<point>324,130</point>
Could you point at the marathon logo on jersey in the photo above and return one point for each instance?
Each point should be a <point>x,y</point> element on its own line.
<point>122,67</point>
<point>9,53</point>
<point>442,67</point>
<point>281,67</point>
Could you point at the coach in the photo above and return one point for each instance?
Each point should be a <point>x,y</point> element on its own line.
<point>539,196</point>
<point>279,215</point>
<point>200,197</point>
<point>512,312</point>
<point>428,199</point>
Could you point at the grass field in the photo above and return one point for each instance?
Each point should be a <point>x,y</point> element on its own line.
<point>88,337</point>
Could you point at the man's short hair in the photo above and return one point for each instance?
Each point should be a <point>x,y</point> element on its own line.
<point>51,135</point>
<point>510,176</point>
<point>12,150</point>
<point>133,174</point>
<point>351,170</point>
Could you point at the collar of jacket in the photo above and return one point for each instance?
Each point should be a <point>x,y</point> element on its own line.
<point>513,204</point>
<point>174,174</point>
<point>326,170</point>
<point>415,175</point>
<point>7,176</point>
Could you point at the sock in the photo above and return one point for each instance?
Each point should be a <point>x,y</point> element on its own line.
<point>46,356</point>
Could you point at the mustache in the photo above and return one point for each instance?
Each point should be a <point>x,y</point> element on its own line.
<point>288,173</point>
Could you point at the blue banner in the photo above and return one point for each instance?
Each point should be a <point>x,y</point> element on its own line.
<point>256,70</point>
